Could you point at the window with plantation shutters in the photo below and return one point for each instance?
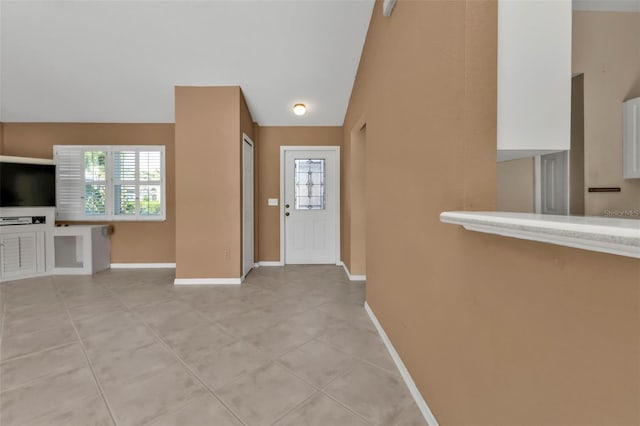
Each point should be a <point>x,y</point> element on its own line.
<point>110,182</point>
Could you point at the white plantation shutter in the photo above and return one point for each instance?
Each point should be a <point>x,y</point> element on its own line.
<point>69,182</point>
<point>124,183</point>
<point>150,190</point>
<point>110,182</point>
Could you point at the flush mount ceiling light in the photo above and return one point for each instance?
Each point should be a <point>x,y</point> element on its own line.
<point>299,109</point>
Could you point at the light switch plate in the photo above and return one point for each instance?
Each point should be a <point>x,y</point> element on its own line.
<point>272,201</point>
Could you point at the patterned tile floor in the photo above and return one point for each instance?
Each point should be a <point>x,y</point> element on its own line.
<point>291,346</point>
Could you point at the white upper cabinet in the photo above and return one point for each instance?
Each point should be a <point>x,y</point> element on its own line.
<point>631,137</point>
<point>534,77</point>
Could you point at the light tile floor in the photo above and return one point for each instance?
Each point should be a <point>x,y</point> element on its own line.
<point>291,346</point>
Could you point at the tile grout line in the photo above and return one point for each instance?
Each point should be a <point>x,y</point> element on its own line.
<point>84,352</point>
<point>295,407</point>
<point>181,361</point>
<point>44,376</point>
<point>346,407</point>
<point>331,345</point>
<point>319,390</point>
<point>343,405</point>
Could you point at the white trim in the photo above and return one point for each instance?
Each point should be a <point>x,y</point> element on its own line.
<point>413,389</point>
<point>247,139</point>
<point>270,263</point>
<point>142,265</point>
<point>352,277</point>
<point>207,281</point>
<point>336,149</point>
<point>25,160</point>
<point>22,277</point>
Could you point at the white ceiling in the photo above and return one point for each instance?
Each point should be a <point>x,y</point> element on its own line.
<point>118,61</point>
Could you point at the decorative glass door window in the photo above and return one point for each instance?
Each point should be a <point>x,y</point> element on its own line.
<point>310,175</point>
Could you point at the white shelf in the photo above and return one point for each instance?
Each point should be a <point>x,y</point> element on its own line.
<point>603,234</point>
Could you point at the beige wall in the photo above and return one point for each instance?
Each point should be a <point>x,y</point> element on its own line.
<point>494,330</point>
<point>271,138</point>
<point>131,242</point>
<point>606,49</point>
<point>354,194</point>
<point>515,186</point>
<point>208,184</point>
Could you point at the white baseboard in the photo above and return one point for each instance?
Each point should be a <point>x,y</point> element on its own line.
<point>142,265</point>
<point>353,277</point>
<point>269,263</point>
<point>417,396</point>
<point>207,281</point>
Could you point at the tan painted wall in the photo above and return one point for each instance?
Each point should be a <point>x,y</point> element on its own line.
<point>271,138</point>
<point>354,251</point>
<point>606,49</point>
<point>131,242</point>
<point>515,186</point>
<point>208,184</point>
<point>494,330</point>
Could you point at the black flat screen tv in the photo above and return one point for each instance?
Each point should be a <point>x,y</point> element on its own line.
<point>27,185</point>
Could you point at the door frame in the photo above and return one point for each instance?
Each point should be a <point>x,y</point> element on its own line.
<point>335,198</point>
<point>247,139</point>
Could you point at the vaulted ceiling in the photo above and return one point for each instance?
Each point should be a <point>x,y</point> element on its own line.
<point>118,61</point>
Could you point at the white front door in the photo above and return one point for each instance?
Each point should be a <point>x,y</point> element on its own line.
<point>311,205</point>
<point>247,205</point>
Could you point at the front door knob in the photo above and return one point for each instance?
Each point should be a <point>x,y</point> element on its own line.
<point>286,214</point>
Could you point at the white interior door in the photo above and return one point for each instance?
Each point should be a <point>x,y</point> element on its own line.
<point>247,205</point>
<point>554,183</point>
<point>311,205</point>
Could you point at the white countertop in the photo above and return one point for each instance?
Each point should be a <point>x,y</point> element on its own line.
<point>604,234</point>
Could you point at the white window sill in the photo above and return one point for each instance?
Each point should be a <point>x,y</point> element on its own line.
<point>110,219</point>
<point>603,234</point>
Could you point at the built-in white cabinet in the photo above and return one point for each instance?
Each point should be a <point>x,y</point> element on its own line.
<point>534,77</point>
<point>20,254</point>
<point>631,138</point>
<point>26,242</point>
<point>81,249</point>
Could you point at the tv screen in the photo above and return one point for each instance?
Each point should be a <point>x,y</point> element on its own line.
<point>27,185</point>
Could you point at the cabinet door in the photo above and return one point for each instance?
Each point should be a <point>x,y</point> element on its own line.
<point>631,122</point>
<point>18,254</point>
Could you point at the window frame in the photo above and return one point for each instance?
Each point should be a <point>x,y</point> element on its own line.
<point>110,214</point>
